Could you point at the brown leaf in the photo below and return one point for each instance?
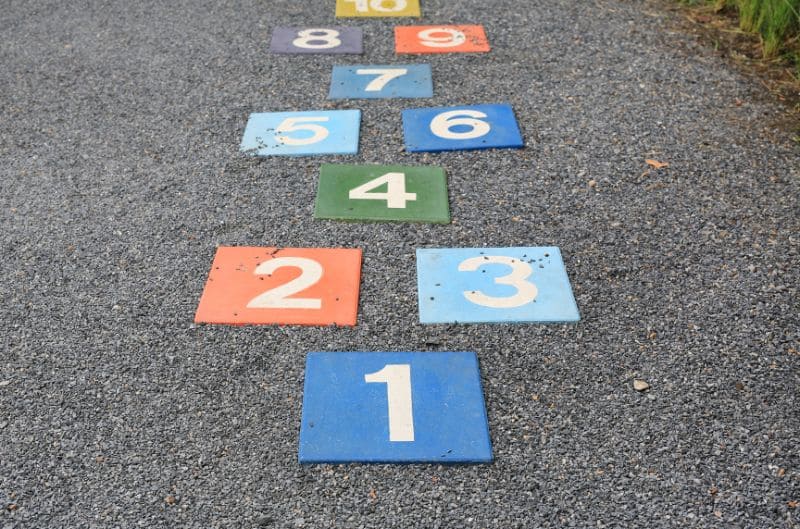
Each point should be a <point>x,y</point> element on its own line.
<point>793,504</point>
<point>656,164</point>
<point>373,494</point>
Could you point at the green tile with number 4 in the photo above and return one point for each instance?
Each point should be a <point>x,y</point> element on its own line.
<point>382,193</point>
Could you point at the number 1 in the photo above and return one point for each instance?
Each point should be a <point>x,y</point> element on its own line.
<point>397,378</point>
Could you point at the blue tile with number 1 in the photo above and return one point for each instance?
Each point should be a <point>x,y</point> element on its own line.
<point>302,133</point>
<point>393,407</point>
<point>461,128</point>
<point>487,285</point>
<point>381,81</point>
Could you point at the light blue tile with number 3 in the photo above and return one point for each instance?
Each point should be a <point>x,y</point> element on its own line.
<point>461,128</point>
<point>302,133</point>
<point>381,81</point>
<point>394,407</point>
<point>488,285</point>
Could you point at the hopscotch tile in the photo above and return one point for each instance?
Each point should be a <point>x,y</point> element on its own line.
<point>440,39</point>
<point>438,413</point>
<point>415,194</point>
<point>317,40</point>
<point>461,128</point>
<point>283,286</point>
<point>381,81</point>
<point>302,133</point>
<point>494,285</point>
<point>377,8</point>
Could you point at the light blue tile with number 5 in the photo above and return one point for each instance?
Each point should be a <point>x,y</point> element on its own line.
<point>404,407</point>
<point>487,285</point>
<point>460,128</point>
<point>302,133</point>
<point>381,81</point>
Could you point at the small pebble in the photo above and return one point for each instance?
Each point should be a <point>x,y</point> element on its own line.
<point>640,385</point>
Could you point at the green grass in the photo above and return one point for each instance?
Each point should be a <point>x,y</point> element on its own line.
<point>777,21</point>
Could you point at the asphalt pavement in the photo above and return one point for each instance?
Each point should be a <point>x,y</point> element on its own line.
<point>120,125</point>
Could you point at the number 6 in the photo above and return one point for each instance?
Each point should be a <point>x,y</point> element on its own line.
<point>444,122</point>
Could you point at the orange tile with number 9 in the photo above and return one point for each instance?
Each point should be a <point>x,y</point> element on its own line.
<point>440,39</point>
<point>282,286</point>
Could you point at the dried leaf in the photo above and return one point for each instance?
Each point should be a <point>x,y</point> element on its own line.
<point>656,164</point>
<point>373,494</point>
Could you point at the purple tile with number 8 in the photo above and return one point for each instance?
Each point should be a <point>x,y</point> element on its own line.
<point>327,40</point>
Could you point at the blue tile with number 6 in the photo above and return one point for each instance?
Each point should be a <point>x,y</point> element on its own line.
<point>381,81</point>
<point>461,128</point>
<point>488,285</point>
<point>407,407</point>
<point>302,133</point>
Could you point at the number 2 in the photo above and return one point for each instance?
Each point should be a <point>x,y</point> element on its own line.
<point>397,378</point>
<point>520,271</point>
<point>384,76</point>
<point>395,196</point>
<point>278,297</point>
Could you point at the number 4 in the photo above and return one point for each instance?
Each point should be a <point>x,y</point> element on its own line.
<point>395,195</point>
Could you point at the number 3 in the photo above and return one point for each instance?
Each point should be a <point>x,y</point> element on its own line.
<point>520,271</point>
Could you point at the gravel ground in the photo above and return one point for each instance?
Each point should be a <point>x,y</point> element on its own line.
<point>119,131</point>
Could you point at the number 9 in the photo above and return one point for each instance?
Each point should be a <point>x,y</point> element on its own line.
<point>452,39</point>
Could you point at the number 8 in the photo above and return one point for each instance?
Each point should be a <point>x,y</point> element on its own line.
<point>326,38</point>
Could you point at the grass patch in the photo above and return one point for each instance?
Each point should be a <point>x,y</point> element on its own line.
<point>776,21</point>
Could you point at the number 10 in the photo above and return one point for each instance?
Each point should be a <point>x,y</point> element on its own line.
<point>397,378</point>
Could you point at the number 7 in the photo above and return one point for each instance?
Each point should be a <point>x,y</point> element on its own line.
<point>384,76</point>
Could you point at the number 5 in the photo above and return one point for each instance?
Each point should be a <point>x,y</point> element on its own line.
<point>384,76</point>
<point>302,123</point>
<point>520,271</point>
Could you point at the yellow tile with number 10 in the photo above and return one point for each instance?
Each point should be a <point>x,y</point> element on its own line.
<point>377,8</point>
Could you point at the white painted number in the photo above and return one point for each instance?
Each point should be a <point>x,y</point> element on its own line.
<point>317,39</point>
<point>447,37</point>
<point>385,6</point>
<point>443,124</point>
<point>384,76</point>
<point>278,298</point>
<point>302,123</point>
<point>395,196</point>
<point>520,271</point>
<point>397,378</point>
